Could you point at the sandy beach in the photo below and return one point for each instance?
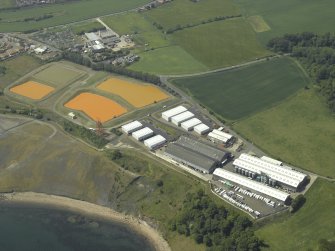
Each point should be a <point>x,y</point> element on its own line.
<point>91,209</point>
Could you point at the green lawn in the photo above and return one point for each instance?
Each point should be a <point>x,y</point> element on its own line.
<point>300,131</point>
<point>238,93</point>
<point>181,12</point>
<point>16,68</point>
<point>315,220</point>
<point>142,30</point>
<point>168,60</point>
<point>62,13</point>
<point>291,16</point>
<point>220,44</point>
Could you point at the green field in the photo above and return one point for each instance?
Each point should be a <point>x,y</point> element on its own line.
<point>14,20</point>
<point>7,4</point>
<point>16,68</point>
<point>168,60</point>
<point>87,27</point>
<point>58,75</point>
<point>300,131</point>
<point>314,221</point>
<point>235,94</point>
<point>291,16</point>
<point>182,12</point>
<point>220,44</point>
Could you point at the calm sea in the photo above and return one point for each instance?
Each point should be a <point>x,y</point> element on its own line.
<point>29,227</point>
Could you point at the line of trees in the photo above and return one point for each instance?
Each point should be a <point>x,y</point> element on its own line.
<point>215,226</point>
<point>2,70</point>
<point>317,54</point>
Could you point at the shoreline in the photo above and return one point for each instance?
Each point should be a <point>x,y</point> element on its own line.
<point>139,226</point>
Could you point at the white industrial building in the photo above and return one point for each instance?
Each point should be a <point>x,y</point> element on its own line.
<point>167,115</point>
<point>180,118</point>
<point>220,174</point>
<point>201,129</point>
<point>269,171</point>
<point>143,133</point>
<point>155,142</point>
<point>131,127</point>
<point>219,136</point>
<point>190,124</point>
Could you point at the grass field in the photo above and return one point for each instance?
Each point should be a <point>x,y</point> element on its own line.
<point>291,16</point>
<point>58,75</point>
<point>168,60</point>
<point>32,90</point>
<point>221,43</point>
<point>258,24</point>
<point>62,13</point>
<point>87,27</point>
<point>7,4</point>
<point>96,107</point>
<point>300,131</point>
<point>16,68</point>
<point>240,92</point>
<point>314,221</point>
<point>182,12</point>
<point>138,95</point>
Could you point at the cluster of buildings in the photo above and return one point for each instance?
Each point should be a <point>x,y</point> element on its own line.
<point>145,134</point>
<point>180,116</point>
<point>23,3</point>
<point>153,4</point>
<point>10,46</point>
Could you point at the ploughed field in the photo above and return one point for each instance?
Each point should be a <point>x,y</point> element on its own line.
<point>96,107</point>
<point>138,95</point>
<point>32,90</point>
<point>240,92</point>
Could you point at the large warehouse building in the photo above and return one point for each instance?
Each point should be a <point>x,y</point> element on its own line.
<point>196,155</point>
<point>167,115</point>
<point>270,172</point>
<point>201,129</point>
<point>220,174</point>
<point>131,127</point>
<point>180,118</point>
<point>219,136</point>
<point>142,134</point>
<point>190,124</point>
<point>155,142</point>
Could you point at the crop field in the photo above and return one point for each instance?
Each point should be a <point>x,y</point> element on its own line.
<point>291,16</point>
<point>238,93</point>
<point>16,20</point>
<point>299,131</point>
<point>96,107</point>
<point>221,43</point>
<point>258,24</point>
<point>182,12</point>
<point>138,95</point>
<point>16,68</point>
<point>32,90</point>
<point>302,231</point>
<point>58,75</point>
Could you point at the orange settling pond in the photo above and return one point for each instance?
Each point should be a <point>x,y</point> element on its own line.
<point>96,107</point>
<point>138,95</point>
<point>32,90</point>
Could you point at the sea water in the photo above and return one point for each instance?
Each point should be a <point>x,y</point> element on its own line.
<point>28,227</point>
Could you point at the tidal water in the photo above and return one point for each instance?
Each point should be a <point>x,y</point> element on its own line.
<point>30,227</point>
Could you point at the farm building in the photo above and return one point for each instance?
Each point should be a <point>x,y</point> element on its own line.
<point>131,127</point>
<point>155,142</point>
<point>142,134</point>
<point>201,129</point>
<point>195,154</point>
<point>72,115</point>
<point>92,37</point>
<point>221,174</point>
<point>167,115</point>
<point>269,173</point>
<point>180,118</point>
<point>219,136</point>
<point>190,124</point>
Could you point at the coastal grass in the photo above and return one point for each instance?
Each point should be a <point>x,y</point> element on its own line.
<point>240,92</point>
<point>291,16</point>
<point>57,14</point>
<point>303,230</point>
<point>221,43</point>
<point>182,12</point>
<point>168,60</point>
<point>300,131</point>
<point>17,67</point>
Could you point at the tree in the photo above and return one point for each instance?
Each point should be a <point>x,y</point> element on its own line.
<point>297,203</point>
